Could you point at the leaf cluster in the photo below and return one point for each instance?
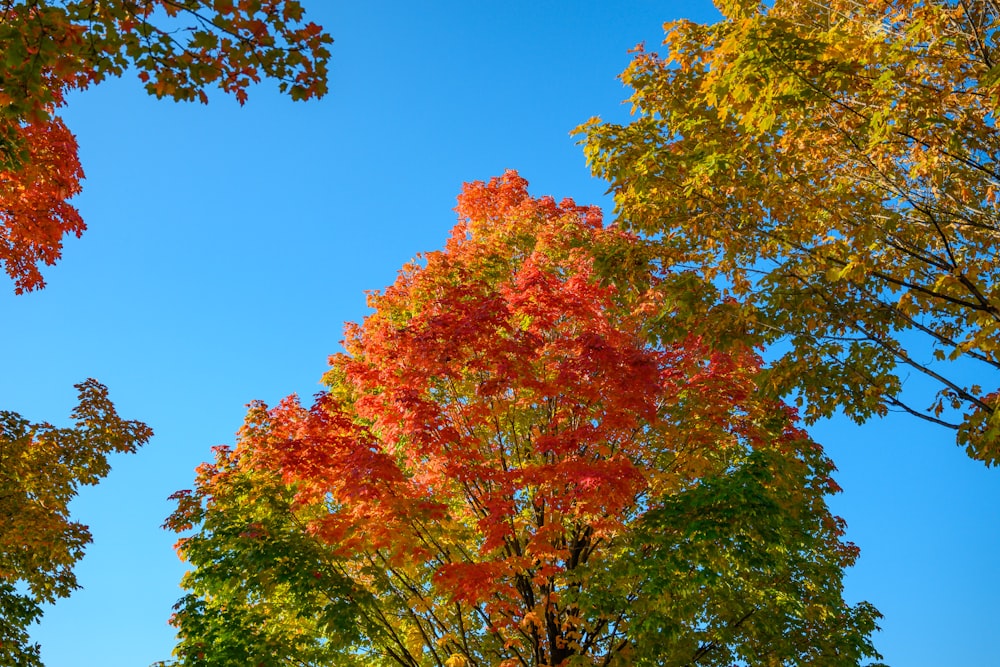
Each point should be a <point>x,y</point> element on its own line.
<point>178,47</point>
<point>41,469</point>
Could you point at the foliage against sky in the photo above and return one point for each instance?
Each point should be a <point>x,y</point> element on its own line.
<point>506,470</point>
<point>48,49</point>
<point>41,469</point>
<point>179,48</point>
<point>482,86</point>
<point>835,164</point>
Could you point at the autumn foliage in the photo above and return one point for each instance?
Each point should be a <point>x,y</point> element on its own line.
<point>834,164</point>
<point>508,469</point>
<point>179,49</point>
<point>34,211</point>
<point>41,469</point>
<point>48,49</point>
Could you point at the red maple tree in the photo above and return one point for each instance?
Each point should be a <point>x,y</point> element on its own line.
<point>478,485</point>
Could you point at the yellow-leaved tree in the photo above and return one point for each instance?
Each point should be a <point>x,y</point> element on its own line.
<point>833,166</point>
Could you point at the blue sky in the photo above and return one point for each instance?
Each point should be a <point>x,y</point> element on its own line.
<point>228,245</point>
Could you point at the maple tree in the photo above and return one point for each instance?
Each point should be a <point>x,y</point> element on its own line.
<point>179,48</point>
<point>511,468</point>
<point>41,469</point>
<point>832,165</point>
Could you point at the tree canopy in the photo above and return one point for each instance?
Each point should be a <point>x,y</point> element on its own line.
<point>832,165</point>
<point>509,468</point>
<point>41,469</point>
<point>179,48</point>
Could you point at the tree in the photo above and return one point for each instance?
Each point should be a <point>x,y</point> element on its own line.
<point>179,47</point>
<point>833,166</point>
<point>41,468</point>
<point>507,470</point>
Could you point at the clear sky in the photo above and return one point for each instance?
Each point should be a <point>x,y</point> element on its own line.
<point>228,245</point>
